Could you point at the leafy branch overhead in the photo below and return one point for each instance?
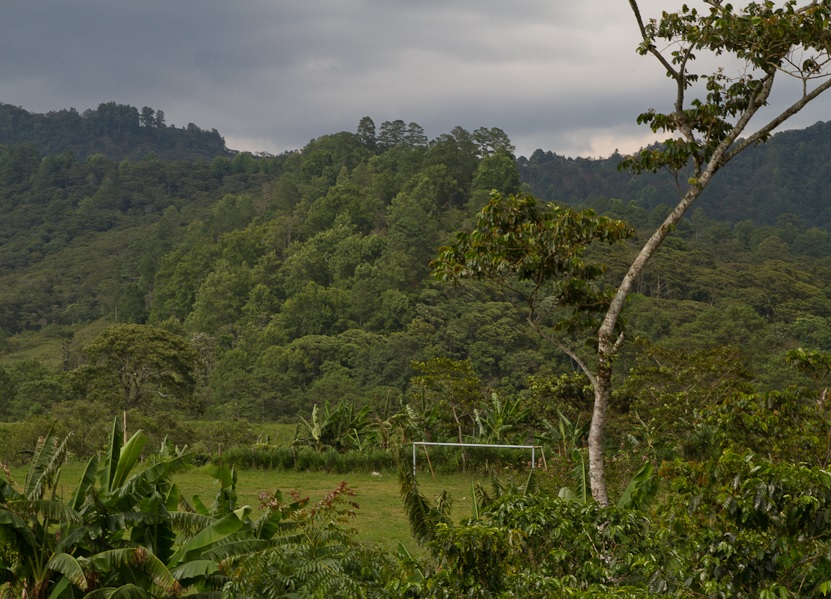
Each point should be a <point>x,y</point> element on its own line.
<point>537,251</point>
<point>765,39</point>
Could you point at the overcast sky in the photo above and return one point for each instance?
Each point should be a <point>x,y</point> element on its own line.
<point>270,75</point>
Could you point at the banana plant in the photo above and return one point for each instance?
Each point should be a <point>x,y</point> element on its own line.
<point>338,427</point>
<point>580,473</point>
<point>501,422</point>
<point>565,435</point>
<point>126,531</point>
<point>29,519</point>
<point>124,534</point>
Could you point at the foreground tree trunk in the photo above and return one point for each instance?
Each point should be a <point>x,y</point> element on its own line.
<point>539,253</point>
<point>766,40</point>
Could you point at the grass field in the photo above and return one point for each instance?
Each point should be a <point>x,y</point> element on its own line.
<point>380,520</point>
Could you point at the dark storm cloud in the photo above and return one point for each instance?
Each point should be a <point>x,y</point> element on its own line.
<point>270,75</point>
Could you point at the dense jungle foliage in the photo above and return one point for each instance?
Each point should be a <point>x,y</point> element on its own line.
<point>298,288</point>
<point>304,278</point>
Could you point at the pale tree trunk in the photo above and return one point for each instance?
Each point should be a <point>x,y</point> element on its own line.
<point>608,343</point>
<point>608,340</point>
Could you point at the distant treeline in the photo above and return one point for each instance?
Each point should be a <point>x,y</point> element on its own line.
<point>115,130</point>
<point>788,178</point>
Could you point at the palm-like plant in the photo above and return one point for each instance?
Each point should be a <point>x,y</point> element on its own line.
<point>501,422</point>
<point>29,520</point>
<point>125,532</point>
<point>565,435</point>
<point>338,427</point>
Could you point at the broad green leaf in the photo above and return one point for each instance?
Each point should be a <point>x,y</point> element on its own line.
<point>45,466</point>
<point>8,492</point>
<point>136,558</point>
<point>18,526</point>
<point>190,522</point>
<point>129,455</point>
<point>638,488</point>
<point>164,469</point>
<point>222,551</point>
<point>216,532</point>
<point>62,590</point>
<point>268,524</point>
<point>174,496</point>
<point>195,569</point>
<point>113,451</point>
<point>87,481</point>
<point>200,507</point>
<point>69,567</point>
<point>128,591</point>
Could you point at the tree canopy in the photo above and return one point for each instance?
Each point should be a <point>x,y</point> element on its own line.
<point>143,362</point>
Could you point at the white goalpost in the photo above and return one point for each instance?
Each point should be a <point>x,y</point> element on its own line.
<point>533,449</point>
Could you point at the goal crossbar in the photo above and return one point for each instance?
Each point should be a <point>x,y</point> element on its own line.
<point>533,449</point>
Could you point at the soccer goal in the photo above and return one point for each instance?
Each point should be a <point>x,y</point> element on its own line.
<point>424,444</point>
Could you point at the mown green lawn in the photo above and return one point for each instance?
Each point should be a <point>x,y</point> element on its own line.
<point>381,518</point>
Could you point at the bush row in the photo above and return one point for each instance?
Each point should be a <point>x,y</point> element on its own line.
<point>440,459</point>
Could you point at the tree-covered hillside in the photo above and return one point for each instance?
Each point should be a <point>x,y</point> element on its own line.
<point>305,277</point>
<point>788,177</point>
<point>115,130</point>
<point>76,236</point>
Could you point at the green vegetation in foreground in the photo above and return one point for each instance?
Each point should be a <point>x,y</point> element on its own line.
<point>380,520</point>
<point>752,488</point>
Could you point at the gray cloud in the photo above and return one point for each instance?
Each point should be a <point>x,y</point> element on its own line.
<point>272,74</point>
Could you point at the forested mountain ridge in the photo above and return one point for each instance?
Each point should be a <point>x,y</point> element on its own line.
<point>115,130</point>
<point>789,175</point>
<point>73,232</point>
<point>381,291</point>
<point>304,277</point>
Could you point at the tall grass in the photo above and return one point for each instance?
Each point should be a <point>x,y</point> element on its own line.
<point>444,460</point>
<point>304,459</point>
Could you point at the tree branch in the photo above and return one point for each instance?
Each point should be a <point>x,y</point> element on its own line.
<point>565,349</point>
<point>652,49</point>
<point>781,118</point>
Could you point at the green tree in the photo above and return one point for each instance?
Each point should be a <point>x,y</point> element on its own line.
<point>313,310</point>
<point>133,363</point>
<point>496,171</point>
<point>28,388</point>
<point>414,136</point>
<point>538,252</point>
<point>180,274</point>
<point>457,153</point>
<point>706,132</point>
<point>366,133</point>
<point>446,387</point>
<point>491,141</point>
<point>392,133</point>
<point>148,117</point>
<point>220,299</point>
